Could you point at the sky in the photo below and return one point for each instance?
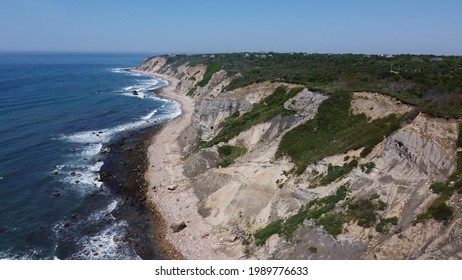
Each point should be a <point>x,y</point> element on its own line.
<point>213,26</point>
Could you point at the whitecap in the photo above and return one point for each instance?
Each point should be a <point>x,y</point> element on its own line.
<point>92,150</point>
<point>28,255</point>
<point>149,116</point>
<point>118,70</point>
<point>108,244</point>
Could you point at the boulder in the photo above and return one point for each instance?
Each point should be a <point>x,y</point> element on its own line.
<point>56,194</point>
<point>232,238</point>
<point>172,187</point>
<point>177,227</point>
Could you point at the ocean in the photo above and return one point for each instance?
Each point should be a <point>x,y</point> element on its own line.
<point>58,113</point>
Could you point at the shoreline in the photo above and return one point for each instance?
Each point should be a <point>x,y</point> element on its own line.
<point>122,172</point>
<point>169,197</point>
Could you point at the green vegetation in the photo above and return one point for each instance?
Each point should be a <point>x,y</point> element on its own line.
<point>267,109</point>
<point>229,154</point>
<point>456,175</point>
<point>323,212</point>
<point>212,67</point>
<point>438,210</point>
<point>191,91</point>
<point>334,131</point>
<point>367,167</point>
<point>262,235</point>
<point>335,172</point>
<point>434,84</point>
<point>313,249</point>
<point>459,139</point>
<point>365,211</point>
<point>313,210</point>
<point>382,226</point>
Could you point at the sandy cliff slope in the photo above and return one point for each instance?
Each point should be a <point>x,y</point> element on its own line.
<point>223,207</point>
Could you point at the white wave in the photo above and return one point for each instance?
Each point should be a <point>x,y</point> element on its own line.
<point>29,255</point>
<point>92,150</point>
<point>107,244</point>
<point>111,206</point>
<point>104,213</point>
<point>84,176</point>
<point>118,70</point>
<point>104,135</point>
<point>149,116</point>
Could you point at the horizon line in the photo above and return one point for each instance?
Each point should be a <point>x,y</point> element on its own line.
<point>160,53</point>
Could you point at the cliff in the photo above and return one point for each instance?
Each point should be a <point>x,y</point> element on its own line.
<point>250,202</point>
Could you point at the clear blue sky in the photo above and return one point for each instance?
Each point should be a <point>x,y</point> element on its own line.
<point>199,26</point>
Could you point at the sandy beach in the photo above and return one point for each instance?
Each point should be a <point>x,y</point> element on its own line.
<point>169,197</point>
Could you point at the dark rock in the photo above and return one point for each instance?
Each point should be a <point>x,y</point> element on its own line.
<point>135,92</point>
<point>177,227</point>
<point>56,194</point>
<point>66,225</point>
<point>104,175</point>
<point>55,172</point>
<point>73,173</point>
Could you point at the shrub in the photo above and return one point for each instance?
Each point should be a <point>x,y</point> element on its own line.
<point>262,235</point>
<point>367,167</point>
<point>382,226</point>
<point>212,67</point>
<point>229,154</point>
<point>267,109</point>
<point>334,131</point>
<point>336,172</point>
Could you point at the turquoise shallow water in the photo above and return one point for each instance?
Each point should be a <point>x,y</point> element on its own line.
<point>56,113</point>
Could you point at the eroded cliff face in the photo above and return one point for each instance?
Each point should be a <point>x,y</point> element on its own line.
<point>259,188</point>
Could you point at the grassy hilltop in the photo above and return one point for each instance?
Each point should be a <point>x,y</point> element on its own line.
<point>433,84</point>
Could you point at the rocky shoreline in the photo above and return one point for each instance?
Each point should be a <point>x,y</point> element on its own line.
<point>124,173</point>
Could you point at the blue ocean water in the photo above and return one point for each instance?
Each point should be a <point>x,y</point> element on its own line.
<point>56,113</point>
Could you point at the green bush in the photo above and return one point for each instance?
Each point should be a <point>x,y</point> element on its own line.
<point>335,172</point>
<point>367,167</point>
<point>229,154</point>
<point>382,226</point>
<point>262,235</point>
<point>334,131</point>
<point>459,138</point>
<point>264,111</point>
<point>438,210</point>
<point>363,211</point>
<point>314,210</point>
<point>212,68</point>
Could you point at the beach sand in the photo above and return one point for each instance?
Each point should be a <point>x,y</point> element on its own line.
<point>169,207</point>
